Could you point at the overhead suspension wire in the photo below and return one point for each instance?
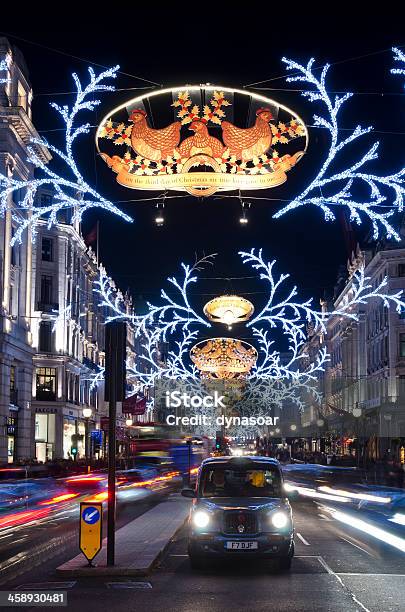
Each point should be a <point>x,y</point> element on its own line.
<point>337,62</point>
<point>81,59</point>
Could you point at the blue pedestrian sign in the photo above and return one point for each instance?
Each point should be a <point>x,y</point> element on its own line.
<point>91,515</point>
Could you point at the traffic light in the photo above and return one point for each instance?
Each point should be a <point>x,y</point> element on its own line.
<point>73,451</point>
<point>218,443</point>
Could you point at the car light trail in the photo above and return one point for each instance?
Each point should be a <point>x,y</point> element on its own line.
<point>22,518</point>
<point>398,518</point>
<point>306,492</point>
<point>74,479</point>
<point>375,532</point>
<point>99,497</point>
<point>363,496</point>
<point>58,499</point>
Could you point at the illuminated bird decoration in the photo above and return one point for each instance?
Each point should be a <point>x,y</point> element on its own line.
<point>201,142</point>
<point>247,143</point>
<point>150,143</point>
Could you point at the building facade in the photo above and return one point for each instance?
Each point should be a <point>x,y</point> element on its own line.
<point>52,320</point>
<point>16,349</point>
<point>363,385</point>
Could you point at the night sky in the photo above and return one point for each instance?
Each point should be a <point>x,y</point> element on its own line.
<point>186,45</point>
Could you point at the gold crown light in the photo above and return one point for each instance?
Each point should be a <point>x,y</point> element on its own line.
<point>228,309</point>
<point>223,357</point>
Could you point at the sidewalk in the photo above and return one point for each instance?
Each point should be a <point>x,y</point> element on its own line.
<point>138,545</point>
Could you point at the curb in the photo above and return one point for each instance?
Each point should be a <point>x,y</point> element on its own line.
<point>117,570</point>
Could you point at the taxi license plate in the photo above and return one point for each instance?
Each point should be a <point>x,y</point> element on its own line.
<point>241,545</point>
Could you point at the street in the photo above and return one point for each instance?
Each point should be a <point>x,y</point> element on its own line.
<point>335,568</point>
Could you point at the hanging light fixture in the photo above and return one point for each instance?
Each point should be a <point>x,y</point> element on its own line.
<point>228,309</point>
<point>223,358</point>
<point>159,219</point>
<point>243,219</point>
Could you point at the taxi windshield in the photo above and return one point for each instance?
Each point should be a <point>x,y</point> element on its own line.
<point>237,482</point>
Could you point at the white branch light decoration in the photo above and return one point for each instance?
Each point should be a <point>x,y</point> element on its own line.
<point>74,193</point>
<point>339,185</point>
<point>4,67</point>
<point>274,379</point>
<point>399,56</point>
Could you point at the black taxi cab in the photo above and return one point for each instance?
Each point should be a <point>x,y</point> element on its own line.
<point>240,509</point>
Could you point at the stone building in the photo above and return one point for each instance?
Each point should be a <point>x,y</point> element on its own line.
<point>16,349</point>
<point>52,320</point>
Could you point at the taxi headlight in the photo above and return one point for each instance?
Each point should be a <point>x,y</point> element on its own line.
<point>279,519</point>
<point>201,518</point>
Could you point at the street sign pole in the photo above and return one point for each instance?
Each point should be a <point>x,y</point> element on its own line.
<point>111,466</point>
<point>115,345</point>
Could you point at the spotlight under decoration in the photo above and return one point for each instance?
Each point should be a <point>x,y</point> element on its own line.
<point>228,309</point>
<point>347,186</point>
<point>71,190</point>
<point>223,357</point>
<point>274,377</point>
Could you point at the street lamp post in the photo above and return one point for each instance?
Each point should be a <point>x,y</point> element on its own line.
<point>357,413</point>
<point>87,412</point>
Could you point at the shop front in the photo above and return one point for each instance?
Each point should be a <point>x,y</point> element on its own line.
<point>45,438</point>
<point>73,437</point>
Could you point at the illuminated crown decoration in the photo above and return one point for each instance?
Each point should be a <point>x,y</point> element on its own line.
<point>228,309</point>
<point>223,357</point>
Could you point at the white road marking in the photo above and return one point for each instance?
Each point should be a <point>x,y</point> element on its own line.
<point>356,546</point>
<point>367,574</point>
<point>324,518</point>
<point>179,555</point>
<point>338,578</point>
<point>325,565</point>
<point>303,540</point>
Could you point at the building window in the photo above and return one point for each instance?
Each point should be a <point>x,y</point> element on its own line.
<point>46,337</point>
<point>46,289</point>
<point>47,249</point>
<point>46,384</point>
<point>22,96</point>
<point>12,378</point>
<point>10,300</point>
<point>401,269</point>
<point>402,345</point>
<point>44,436</point>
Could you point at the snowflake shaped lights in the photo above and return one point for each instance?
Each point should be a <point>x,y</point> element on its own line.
<point>293,318</point>
<point>332,188</point>
<point>74,193</point>
<point>275,379</point>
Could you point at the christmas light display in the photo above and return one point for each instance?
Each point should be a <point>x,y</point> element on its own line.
<point>332,188</point>
<point>96,377</point>
<point>74,193</point>
<point>4,66</point>
<point>399,56</point>
<point>275,378</point>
